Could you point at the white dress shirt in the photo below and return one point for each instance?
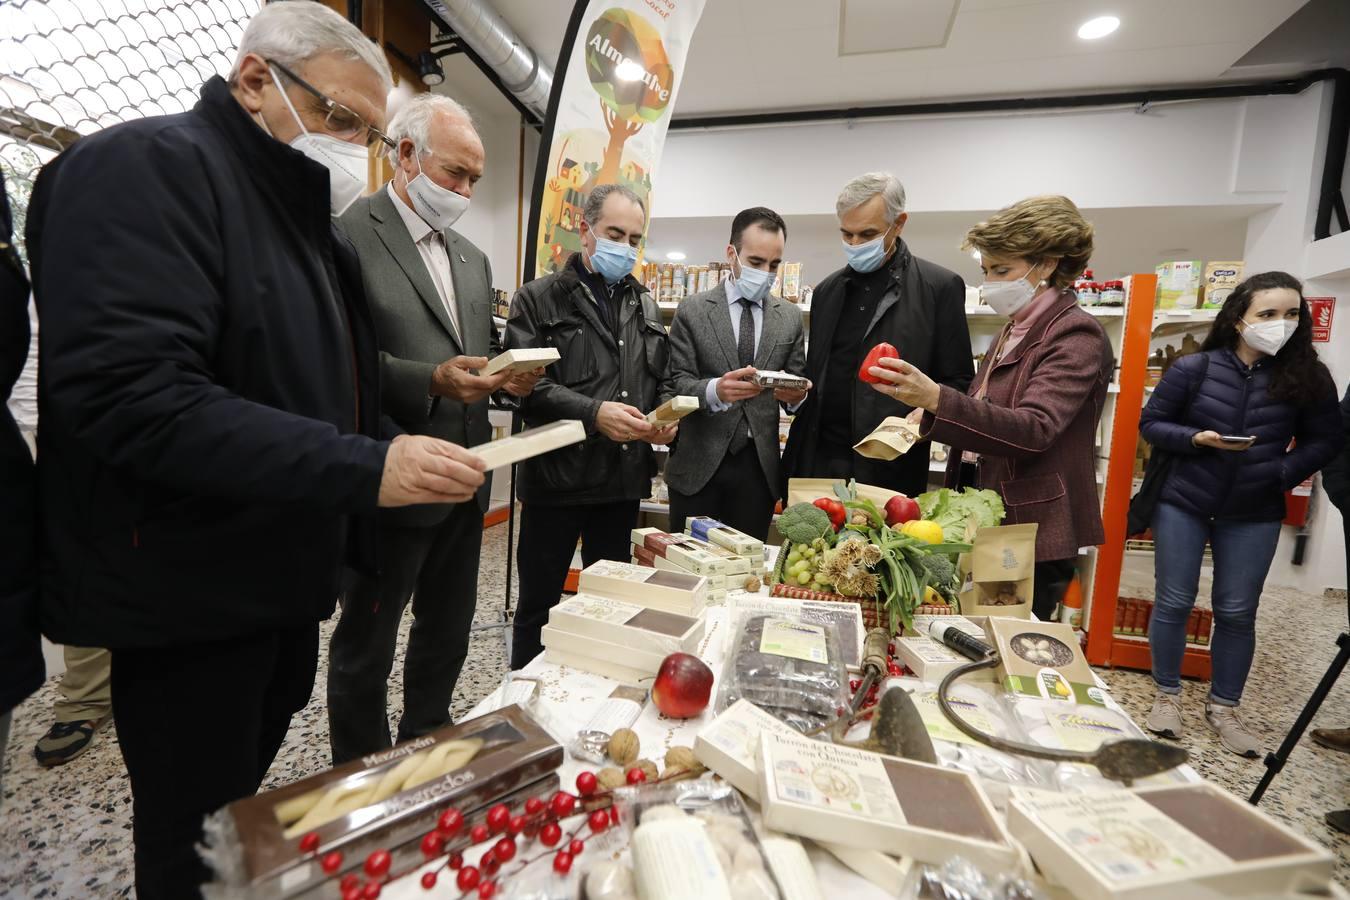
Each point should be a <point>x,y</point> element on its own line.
<point>431,245</point>
<point>23,404</point>
<point>715,403</point>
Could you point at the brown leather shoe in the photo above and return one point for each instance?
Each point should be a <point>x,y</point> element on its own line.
<point>1332,738</point>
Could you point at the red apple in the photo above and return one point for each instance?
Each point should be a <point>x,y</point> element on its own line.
<point>901,509</point>
<point>683,686</point>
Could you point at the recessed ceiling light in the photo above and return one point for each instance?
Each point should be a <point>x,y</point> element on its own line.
<point>628,71</point>
<point>675,256</point>
<point>1099,27</point>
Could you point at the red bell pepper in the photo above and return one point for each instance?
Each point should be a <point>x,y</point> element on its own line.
<point>834,509</point>
<point>876,353</point>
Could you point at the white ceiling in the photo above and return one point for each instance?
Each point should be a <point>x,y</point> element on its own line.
<point>762,55</point>
<point>1127,240</point>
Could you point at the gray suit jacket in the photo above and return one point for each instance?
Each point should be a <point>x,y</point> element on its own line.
<point>703,348</point>
<point>415,333</point>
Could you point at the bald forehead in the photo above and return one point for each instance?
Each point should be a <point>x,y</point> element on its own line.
<point>453,133</point>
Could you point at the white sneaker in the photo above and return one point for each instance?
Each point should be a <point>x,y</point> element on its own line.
<point>1165,717</point>
<point>1232,731</point>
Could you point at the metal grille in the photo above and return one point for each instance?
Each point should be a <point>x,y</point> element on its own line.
<point>71,67</point>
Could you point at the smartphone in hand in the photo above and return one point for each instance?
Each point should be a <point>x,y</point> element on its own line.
<point>1238,440</point>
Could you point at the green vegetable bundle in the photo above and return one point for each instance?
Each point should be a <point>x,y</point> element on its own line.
<point>958,511</point>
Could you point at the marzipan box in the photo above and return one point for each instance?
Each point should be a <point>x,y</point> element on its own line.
<point>1165,843</point>
<point>1043,659</point>
<point>531,442</point>
<point>673,410</point>
<point>617,622</point>
<point>679,549</point>
<point>709,529</point>
<point>900,807</point>
<point>775,379</point>
<point>676,592</point>
<point>927,658</point>
<point>254,858</point>
<point>523,359</point>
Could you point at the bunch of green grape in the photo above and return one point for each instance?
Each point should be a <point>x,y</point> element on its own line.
<point>804,564</point>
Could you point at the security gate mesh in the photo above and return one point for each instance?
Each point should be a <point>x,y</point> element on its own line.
<point>71,67</point>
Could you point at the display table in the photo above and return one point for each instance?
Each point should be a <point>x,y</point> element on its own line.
<point>569,697</point>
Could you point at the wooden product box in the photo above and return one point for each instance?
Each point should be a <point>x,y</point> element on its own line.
<point>677,592</point>
<point>735,564</point>
<point>672,411</point>
<point>706,528</point>
<point>930,660</point>
<point>776,379</point>
<point>531,442</point>
<point>1165,843</point>
<point>522,359</point>
<point>618,622</point>
<point>717,584</point>
<point>681,550</point>
<point>254,842</point>
<point>873,802</point>
<point>1043,659</point>
<point>576,646</point>
<point>729,744</point>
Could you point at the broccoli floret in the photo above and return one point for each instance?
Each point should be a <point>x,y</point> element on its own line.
<point>941,570</point>
<point>802,523</point>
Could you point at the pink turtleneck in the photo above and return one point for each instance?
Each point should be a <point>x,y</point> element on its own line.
<point>1024,318</point>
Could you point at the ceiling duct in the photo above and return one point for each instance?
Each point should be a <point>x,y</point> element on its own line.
<point>486,34</point>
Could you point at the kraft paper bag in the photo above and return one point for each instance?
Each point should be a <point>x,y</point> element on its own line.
<point>998,575</point>
<point>889,440</point>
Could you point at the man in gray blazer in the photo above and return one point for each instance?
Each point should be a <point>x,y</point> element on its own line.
<point>430,292</point>
<point>725,463</point>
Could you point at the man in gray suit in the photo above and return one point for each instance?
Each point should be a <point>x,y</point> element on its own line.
<point>430,292</point>
<point>726,461</point>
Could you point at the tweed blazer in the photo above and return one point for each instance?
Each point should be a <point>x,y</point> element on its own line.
<point>1036,427</point>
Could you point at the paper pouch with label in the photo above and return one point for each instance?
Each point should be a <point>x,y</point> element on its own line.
<point>889,440</point>
<point>998,575</point>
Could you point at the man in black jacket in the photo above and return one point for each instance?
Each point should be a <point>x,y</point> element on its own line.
<point>884,294</point>
<point>21,666</point>
<point>613,347</point>
<point>1336,482</point>
<point>210,414</point>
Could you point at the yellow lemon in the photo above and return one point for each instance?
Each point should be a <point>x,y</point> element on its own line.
<point>923,530</point>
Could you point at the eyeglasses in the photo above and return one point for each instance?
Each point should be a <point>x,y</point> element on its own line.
<point>340,121</point>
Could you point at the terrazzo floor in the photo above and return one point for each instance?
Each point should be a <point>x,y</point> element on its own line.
<point>66,832</point>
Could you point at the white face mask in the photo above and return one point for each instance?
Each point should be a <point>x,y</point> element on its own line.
<point>1268,337</point>
<point>346,163</point>
<point>1008,297</point>
<point>440,207</point>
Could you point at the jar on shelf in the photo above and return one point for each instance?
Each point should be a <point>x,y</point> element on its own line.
<point>1113,293</point>
<point>1089,294</point>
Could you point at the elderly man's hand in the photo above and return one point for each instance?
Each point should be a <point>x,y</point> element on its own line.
<point>422,469</point>
<point>455,379</point>
<point>521,384</point>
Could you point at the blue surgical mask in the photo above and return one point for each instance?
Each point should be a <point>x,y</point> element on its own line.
<point>866,257</point>
<point>613,260</point>
<point>752,283</point>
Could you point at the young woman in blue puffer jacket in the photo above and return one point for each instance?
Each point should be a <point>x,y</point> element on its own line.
<point>1249,417</point>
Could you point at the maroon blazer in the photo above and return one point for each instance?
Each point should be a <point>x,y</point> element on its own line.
<point>1036,428</point>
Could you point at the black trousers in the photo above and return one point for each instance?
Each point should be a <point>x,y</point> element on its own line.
<point>1052,580</point>
<point>548,538</point>
<point>738,494</point>
<point>437,568</point>
<point>198,726</point>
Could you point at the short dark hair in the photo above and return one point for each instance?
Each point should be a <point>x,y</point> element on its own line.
<point>595,201</point>
<point>756,215</point>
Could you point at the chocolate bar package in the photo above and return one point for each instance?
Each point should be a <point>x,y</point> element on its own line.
<point>387,800</point>
<point>791,669</point>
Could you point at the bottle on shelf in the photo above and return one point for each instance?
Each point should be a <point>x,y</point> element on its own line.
<point>1113,293</point>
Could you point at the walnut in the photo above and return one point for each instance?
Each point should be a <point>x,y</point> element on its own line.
<point>648,768</point>
<point>752,584</point>
<point>682,759</point>
<point>610,778</point>
<point>624,746</point>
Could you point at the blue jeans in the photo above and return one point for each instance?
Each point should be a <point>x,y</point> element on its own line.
<point>1242,555</point>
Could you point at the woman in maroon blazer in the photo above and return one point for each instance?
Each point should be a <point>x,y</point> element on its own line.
<point>1027,427</point>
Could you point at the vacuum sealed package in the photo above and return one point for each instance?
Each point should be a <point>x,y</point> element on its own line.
<point>792,669</point>
<point>960,879</point>
<point>998,771</point>
<point>694,839</point>
<point>1074,726</point>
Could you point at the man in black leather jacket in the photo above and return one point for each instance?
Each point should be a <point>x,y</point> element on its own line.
<point>608,331</point>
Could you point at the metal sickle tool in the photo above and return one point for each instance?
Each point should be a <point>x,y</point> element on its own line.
<point>1125,760</point>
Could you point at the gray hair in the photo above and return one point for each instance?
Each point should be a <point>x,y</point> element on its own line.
<point>296,31</point>
<point>865,187</point>
<point>596,201</point>
<point>413,120</point>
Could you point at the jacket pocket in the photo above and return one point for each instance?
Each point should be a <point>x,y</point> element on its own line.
<point>576,363</point>
<point>1040,498</point>
<point>654,340</point>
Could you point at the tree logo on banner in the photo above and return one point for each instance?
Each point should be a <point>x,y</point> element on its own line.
<point>628,68</point>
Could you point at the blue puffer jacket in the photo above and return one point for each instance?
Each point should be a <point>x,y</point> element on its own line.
<point>1233,399</point>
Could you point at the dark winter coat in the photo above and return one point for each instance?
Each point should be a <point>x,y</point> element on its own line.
<point>1245,485</point>
<point>1336,475</point>
<point>923,312</point>
<point>596,365</point>
<point>209,389</point>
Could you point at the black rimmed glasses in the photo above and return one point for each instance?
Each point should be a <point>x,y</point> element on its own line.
<point>340,121</point>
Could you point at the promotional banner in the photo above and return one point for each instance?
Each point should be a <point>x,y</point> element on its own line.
<point>614,90</point>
